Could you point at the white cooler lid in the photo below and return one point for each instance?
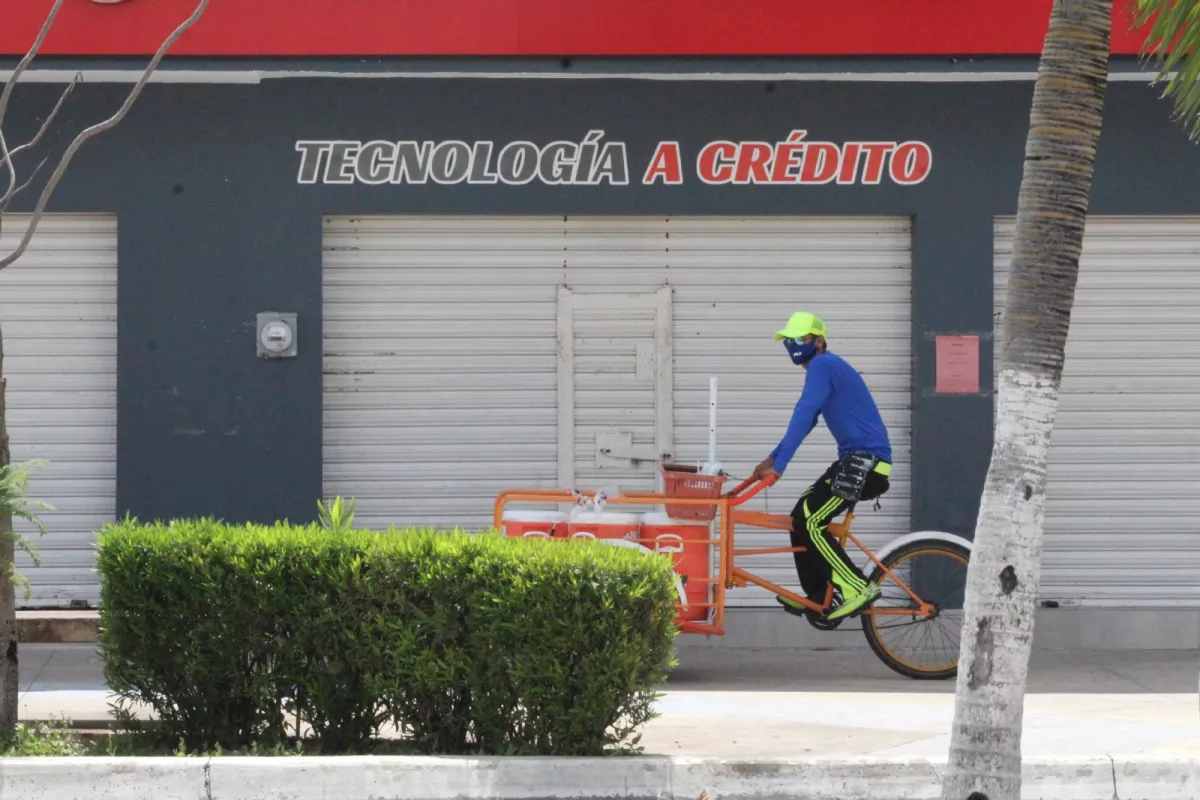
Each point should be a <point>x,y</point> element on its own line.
<point>534,516</point>
<point>605,518</point>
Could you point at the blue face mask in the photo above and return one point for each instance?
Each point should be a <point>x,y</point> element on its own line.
<point>801,352</point>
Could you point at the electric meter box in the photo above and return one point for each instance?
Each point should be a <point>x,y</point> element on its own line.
<point>276,335</point>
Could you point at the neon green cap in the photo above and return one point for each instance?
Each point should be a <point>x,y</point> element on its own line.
<point>800,325</point>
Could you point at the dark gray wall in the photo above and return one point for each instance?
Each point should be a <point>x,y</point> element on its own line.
<point>214,228</point>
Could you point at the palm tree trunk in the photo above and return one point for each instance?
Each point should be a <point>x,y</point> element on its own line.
<point>1005,566</point>
<point>8,600</point>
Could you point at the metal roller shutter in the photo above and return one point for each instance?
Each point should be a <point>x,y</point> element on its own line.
<point>58,309</point>
<point>428,319</point>
<point>440,385</point>
<point>1124,456</point>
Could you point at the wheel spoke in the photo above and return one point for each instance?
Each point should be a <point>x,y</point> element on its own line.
<point>925,647</point>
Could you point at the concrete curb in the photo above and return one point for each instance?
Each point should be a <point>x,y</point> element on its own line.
<point>639,778</point>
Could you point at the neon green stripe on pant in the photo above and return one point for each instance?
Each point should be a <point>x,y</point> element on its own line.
<point>815,523</point>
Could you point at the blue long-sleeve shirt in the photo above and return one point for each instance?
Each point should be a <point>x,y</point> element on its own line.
<point>835,390</point>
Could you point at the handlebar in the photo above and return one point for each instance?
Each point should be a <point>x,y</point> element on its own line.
<point>763,483</point>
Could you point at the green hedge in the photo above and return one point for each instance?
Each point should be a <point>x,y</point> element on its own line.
<point>467,643</point>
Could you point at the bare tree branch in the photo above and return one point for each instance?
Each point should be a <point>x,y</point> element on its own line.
<point>50,119</point>
<point>37,45</point>
<point>14,192</point>
<point>8,158</point>
<point>12,170</point>
<point>94,130</point>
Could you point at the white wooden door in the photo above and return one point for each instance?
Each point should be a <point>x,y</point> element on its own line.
<point>614,388</point>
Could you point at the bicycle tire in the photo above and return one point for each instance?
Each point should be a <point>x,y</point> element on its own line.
<point>870,621</point>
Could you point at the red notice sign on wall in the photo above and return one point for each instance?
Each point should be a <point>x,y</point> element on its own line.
<point>957,365</point>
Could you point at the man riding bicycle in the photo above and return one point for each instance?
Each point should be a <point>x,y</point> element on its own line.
<point>835,390</point>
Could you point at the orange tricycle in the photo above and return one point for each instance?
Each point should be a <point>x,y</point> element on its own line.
<point>921,575</point>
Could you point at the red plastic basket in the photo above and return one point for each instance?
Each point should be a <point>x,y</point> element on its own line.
<point>684,481</point>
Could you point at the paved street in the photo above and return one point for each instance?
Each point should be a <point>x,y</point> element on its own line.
<point>781,703</point>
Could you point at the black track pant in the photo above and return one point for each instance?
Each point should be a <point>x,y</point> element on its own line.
<point>825,560</point>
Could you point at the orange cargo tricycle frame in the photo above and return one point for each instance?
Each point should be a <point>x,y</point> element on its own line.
<point>684,484</point>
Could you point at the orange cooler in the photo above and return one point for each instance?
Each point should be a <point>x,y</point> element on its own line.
<point>542,524</point>
<point>603,525</point>
<point>684,540</point>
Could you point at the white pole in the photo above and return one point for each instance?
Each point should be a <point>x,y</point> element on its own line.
<point>712,421</point>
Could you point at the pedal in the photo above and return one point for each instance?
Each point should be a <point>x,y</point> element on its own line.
<point>789,608</point>
<point>818,622</point>
<point>822,624</point>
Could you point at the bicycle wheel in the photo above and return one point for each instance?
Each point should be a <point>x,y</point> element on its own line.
<point>936,571</point>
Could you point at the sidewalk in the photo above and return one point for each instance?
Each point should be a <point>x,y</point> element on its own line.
<point>772,704</point>
<point>781,704</point>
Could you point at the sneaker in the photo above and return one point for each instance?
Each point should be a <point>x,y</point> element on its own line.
<point>820,621</point>
<point>790,605</point>
<point>855,603</point>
